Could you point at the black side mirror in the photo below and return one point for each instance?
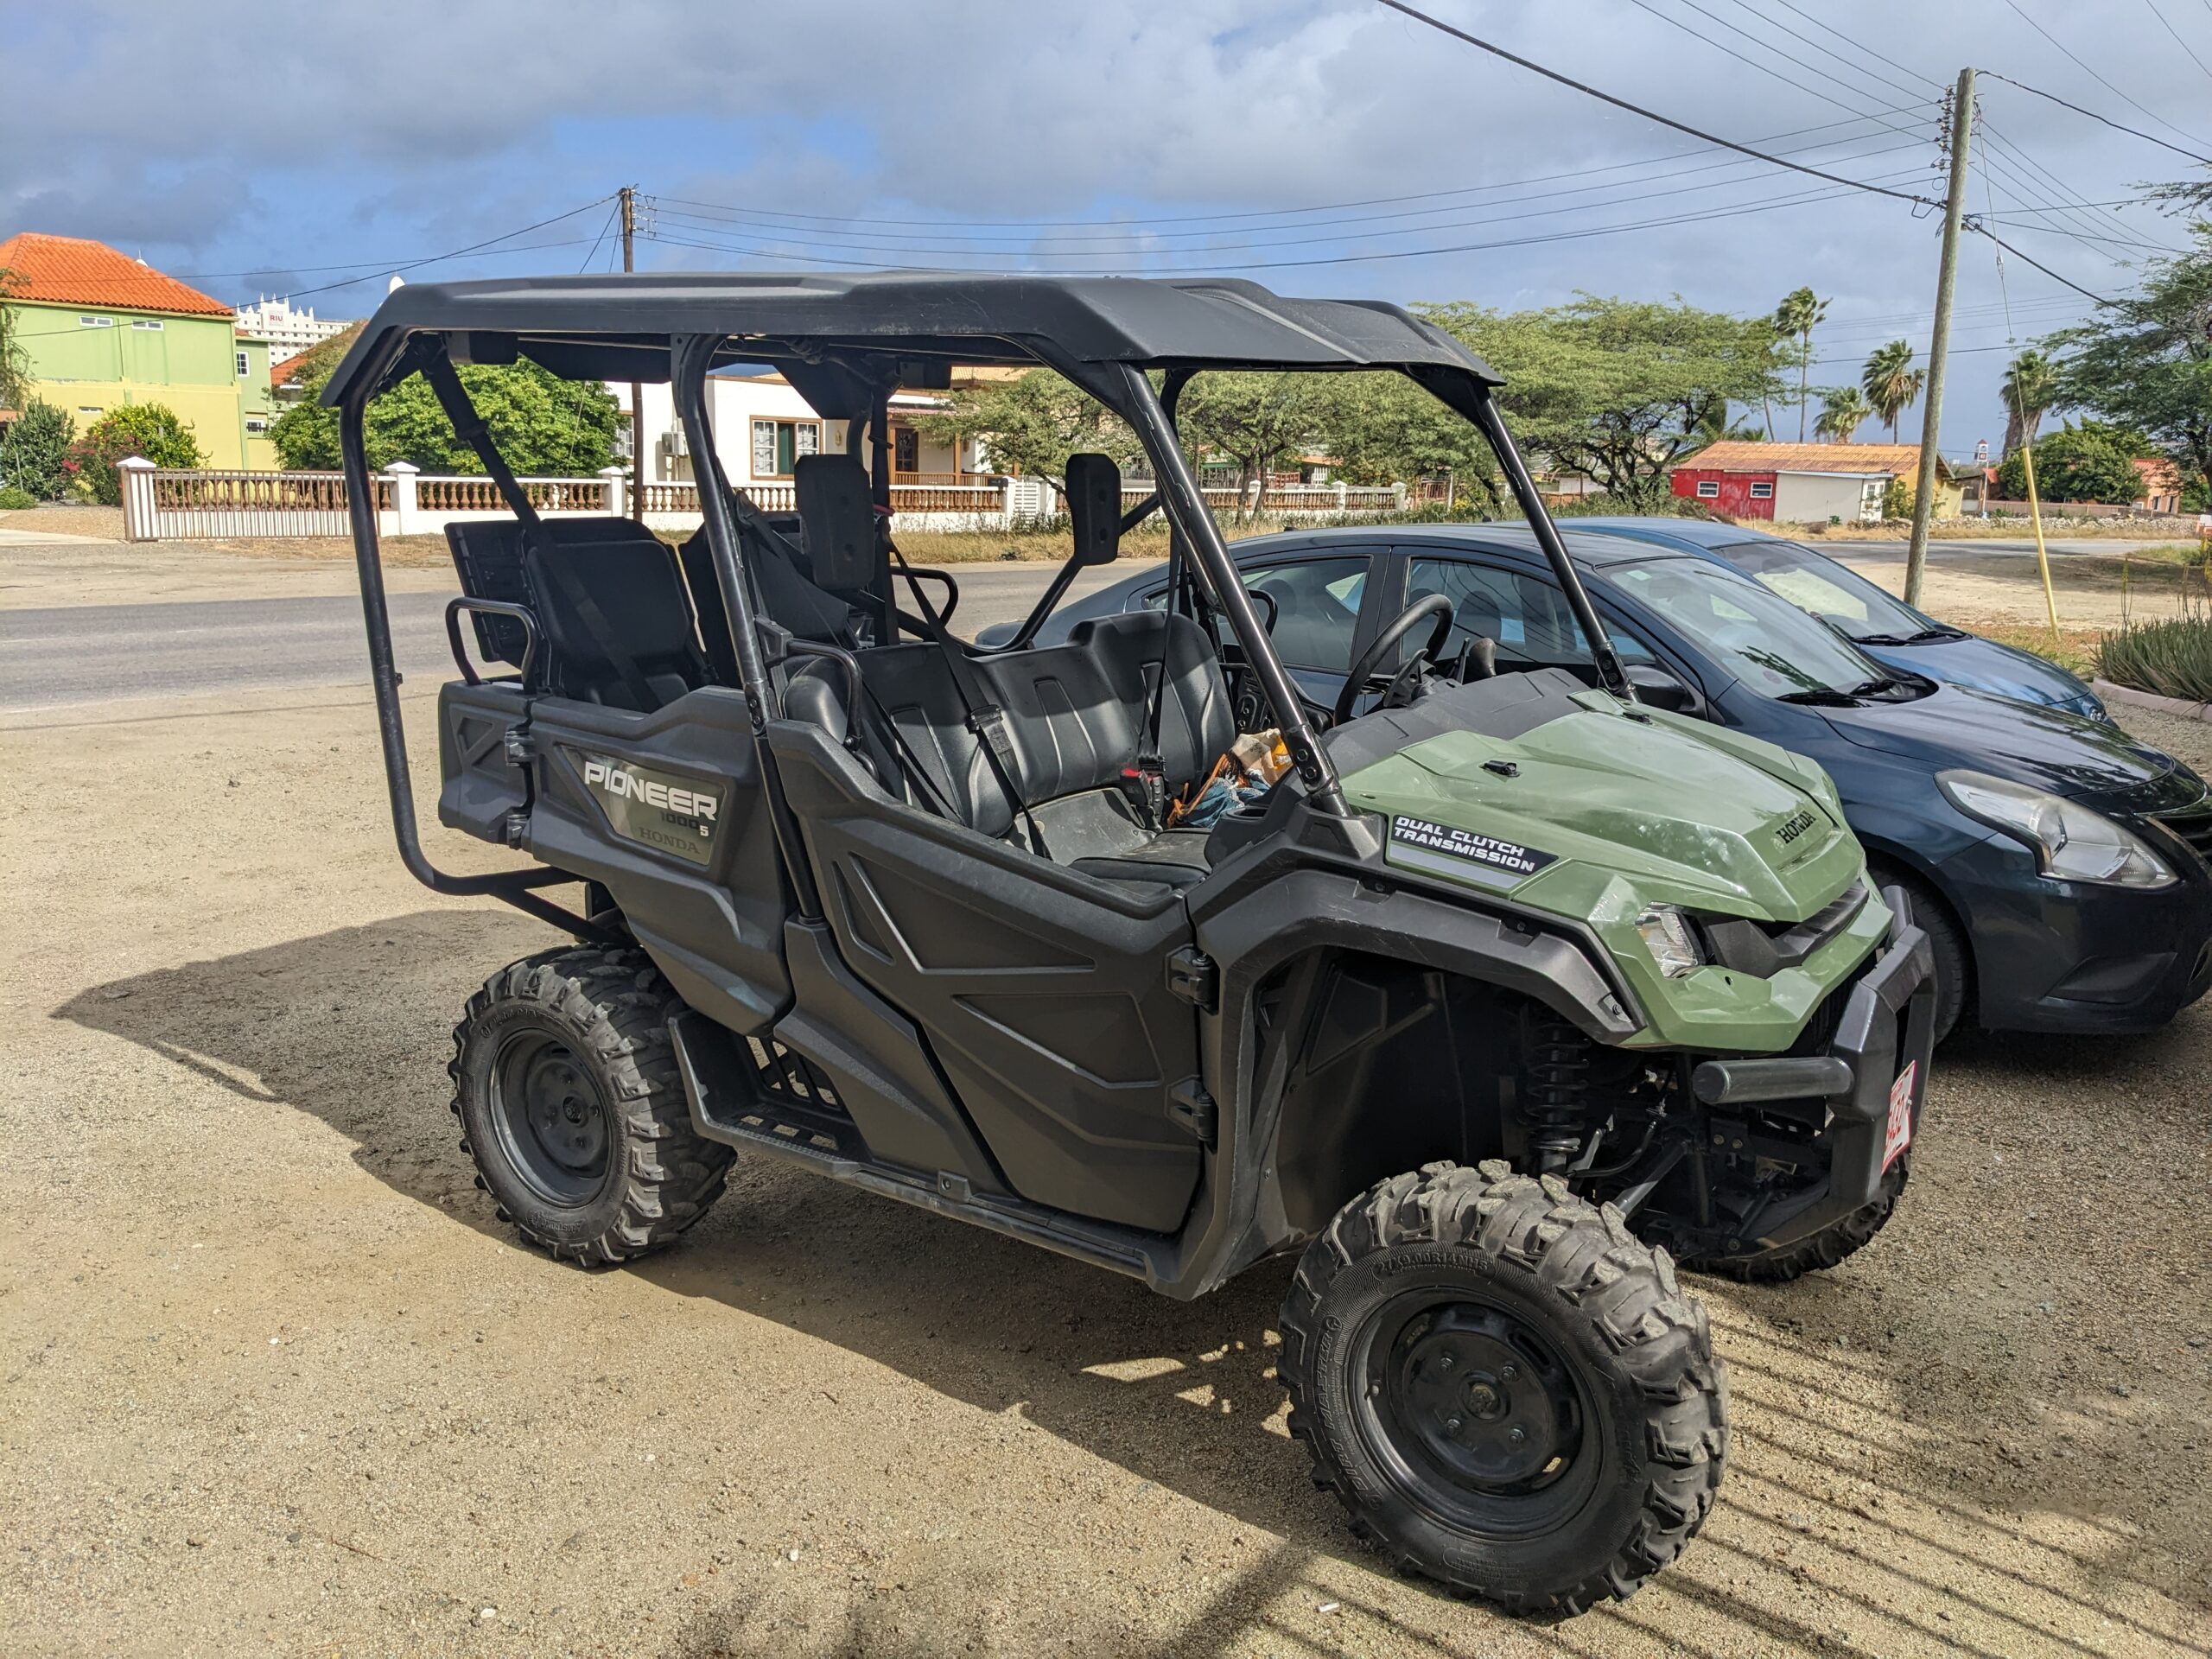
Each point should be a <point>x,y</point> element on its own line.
<point>1095,508</point>
<point>1661,689</point>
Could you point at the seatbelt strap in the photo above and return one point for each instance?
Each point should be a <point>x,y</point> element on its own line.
<point>1150,772</point>
<point>910,764</point>
<point>985,718</point>
<point>597,625</point>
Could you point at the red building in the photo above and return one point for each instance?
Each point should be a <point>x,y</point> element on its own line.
<point>1800,483</point>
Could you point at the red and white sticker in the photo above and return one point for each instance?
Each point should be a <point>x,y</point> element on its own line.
<point>1900,1132</point>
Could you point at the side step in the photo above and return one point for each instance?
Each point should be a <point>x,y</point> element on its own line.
<point>808,1128</point>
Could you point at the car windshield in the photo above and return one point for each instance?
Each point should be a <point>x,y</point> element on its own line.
<point>1766,641</point>
<point>1839,596</point>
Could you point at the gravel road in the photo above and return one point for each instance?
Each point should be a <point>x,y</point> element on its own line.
<point>274,1379</point>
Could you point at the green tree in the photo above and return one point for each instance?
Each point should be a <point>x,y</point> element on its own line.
<point>1891,384</point>
<point>1030,424</point>
<point>2031,387</point>
<point>153,432</point>
<point>1255,421</point>
<point>1619,390</point>
<point>35,450</point>
<point>1795,319</point>
<point>1382,428</point>
<point>2088,462</point>
<point>1844,410</point>
<point>2146,360</point>
<point>544,425</point>
<point>16,385</point>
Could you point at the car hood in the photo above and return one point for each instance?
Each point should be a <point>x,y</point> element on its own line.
<point>2029,743</point>
<point>1985,665</point>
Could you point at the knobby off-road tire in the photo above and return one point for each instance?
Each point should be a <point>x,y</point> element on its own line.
<point>1824,1250</point>
<point>569,1097</point>
<point>1454,1328</point>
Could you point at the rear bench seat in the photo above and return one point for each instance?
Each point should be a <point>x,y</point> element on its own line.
<point>1076,713</point>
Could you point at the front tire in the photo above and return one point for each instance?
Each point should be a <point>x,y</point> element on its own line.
<point>1946,940</point>
<point>566,1086</point>
<point>1510,1393</point>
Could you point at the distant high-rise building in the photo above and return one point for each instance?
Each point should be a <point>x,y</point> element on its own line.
<point>288,332</point>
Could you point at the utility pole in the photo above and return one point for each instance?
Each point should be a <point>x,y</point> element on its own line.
<point>1939,342</point>
<point>629,194</point>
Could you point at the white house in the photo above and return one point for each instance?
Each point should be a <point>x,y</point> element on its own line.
<point>288,332</point>
<point>762,426</point>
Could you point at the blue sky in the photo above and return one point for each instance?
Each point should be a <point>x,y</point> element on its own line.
<point>258,149</point>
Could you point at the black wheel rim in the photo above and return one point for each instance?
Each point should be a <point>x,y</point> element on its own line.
<point>1474,1414</point>
<point>551,1119</point>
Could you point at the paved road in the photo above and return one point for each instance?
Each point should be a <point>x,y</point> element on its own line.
<point>102,653</point>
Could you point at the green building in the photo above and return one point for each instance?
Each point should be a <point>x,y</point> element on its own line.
<point>102,329</point>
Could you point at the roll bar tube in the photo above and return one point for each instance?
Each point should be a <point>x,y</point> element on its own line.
<point>1611,676</point>
<point>1186,509</point>
<point>691,356</point>
<point>514,886</point>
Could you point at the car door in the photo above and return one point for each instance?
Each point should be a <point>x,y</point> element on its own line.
<point>1524,613</point>
<point>1320,609</point>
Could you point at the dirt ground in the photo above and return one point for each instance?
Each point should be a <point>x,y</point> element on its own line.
<point>274,1379</point>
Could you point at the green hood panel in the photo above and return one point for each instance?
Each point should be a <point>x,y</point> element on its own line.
<point>1712,826</point>
<point>1595,814</point>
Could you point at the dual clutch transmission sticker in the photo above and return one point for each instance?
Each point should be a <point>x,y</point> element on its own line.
<point>663,811</point>
<point>1462,853</point>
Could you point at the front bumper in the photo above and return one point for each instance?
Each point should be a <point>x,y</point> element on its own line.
<point>1887,1027</point>
<point>2068,957</point>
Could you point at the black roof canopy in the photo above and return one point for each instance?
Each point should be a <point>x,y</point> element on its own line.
<point>616,327</point>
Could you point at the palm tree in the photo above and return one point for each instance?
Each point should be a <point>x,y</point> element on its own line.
<point>2030,387</point>
<point>1843,411</point>
<point>1891,384</point>
<point>1795,319</point>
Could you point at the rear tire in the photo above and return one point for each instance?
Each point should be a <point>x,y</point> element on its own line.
<point>1824,1250</point>
<point>566,1086</point>
<point>1953,958</point>
<point>1510,1393</point>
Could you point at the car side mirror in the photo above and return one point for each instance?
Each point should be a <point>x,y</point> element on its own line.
<point>1662,691</point>
<point>1095,508</point>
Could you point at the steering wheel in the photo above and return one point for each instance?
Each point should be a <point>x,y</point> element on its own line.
<point>1365,674</point>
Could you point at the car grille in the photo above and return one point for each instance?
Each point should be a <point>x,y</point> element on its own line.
<point>2194,825</point>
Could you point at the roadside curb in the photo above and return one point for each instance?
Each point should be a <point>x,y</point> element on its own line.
<point>2127,694</point>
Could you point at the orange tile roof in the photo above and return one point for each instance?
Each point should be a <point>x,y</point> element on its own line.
<point>73,271</point>
<point>1733,455</point>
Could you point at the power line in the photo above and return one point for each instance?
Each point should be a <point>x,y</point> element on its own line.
<point>474,247</point>
<point>2117,126</point>
<point>2102,82</point>
<point>1826,50</point>
<point>2176,33</point>
<point>1589,91</point>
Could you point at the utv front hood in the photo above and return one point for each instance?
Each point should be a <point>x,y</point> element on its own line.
<point>1537,786</point>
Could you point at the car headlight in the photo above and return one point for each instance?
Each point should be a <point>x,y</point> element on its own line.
<point>2071,842</point>
<point>1674,943</point>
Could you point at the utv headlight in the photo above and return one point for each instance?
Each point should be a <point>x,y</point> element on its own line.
<point>2071,842</point>
<point>1674,943</point>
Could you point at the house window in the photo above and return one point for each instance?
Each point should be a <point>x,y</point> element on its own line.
<point>88,409</point>
<point>255,426</point>
<point>96,323</point>
<point>153,323</point>
<point>243,367</point>
<point>906,450</point>
<point>778,445</point>
<point>1761,492</point>
<point>1708,489</point>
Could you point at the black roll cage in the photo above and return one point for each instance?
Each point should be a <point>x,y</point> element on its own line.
<point>854,386</point>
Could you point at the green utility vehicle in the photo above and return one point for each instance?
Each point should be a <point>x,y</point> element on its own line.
<point>1508,995</point>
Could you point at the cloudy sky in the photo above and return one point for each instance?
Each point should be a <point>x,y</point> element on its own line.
<point>1325,147</point>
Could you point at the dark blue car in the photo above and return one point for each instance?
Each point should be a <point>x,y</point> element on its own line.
<point>1880,624</point>
<point>2064,871</point>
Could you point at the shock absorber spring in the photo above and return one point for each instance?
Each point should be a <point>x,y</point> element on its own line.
<point>1554,1105</point>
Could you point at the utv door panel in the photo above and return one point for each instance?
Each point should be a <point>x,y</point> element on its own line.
<point>481,785</point>
<point>611,801</point>
<point>1042,993</point>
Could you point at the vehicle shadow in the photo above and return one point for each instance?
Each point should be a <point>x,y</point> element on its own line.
<point>1832,1491</point>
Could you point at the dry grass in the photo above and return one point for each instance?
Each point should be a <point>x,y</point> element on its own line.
<point>72,520</point>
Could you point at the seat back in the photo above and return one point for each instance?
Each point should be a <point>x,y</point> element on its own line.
<point>612,603</point>
<point>1076,713</point>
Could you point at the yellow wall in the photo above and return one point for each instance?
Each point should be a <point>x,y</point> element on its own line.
<point>213,411</point>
